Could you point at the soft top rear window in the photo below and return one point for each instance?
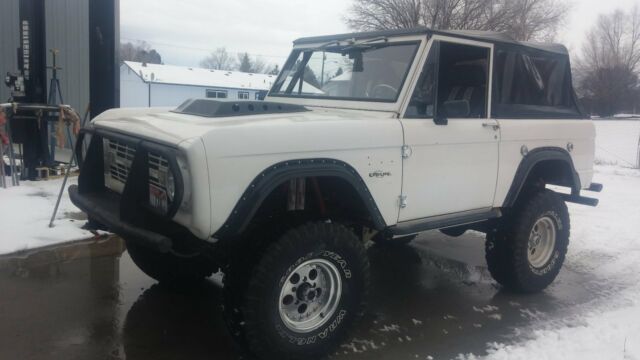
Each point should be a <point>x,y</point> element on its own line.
<point>530,83</point>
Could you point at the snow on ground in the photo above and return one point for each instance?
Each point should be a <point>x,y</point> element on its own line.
<point>626,116</point>
<point>617,142</point>
<point>25,211</point>
<point>605,241</point>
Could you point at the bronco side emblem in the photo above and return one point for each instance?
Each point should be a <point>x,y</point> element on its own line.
<point>379,174</point>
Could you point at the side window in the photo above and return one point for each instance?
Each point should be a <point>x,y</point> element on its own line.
<point>216,94</point>
<point>260,95</point>
<point>423,100</point>
<point>453,83</point>
<point>243,95</point>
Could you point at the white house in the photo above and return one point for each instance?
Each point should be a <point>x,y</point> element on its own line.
<point>145,85</point>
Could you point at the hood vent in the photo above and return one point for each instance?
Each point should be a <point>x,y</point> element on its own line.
<point>217,108</point>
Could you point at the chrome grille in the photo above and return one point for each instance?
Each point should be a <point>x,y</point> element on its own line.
<point>158,168</point>
<point>118,158</point>
<point>117,163</point>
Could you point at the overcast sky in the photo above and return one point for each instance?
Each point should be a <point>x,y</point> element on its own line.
<point>185,31</point>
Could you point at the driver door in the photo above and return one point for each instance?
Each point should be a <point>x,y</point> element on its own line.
<point>451,144</point>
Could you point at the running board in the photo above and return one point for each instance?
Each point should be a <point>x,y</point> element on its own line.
<point>444,221</point>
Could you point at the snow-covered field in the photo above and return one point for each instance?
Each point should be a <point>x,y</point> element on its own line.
<point>25,212</point>
<point>617,142</point>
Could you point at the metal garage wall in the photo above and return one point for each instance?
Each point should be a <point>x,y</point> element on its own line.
<point>9,42</point>
<point>67,27</point>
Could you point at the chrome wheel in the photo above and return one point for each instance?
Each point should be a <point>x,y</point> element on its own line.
<point>310,295</point>
<point>542,242</point>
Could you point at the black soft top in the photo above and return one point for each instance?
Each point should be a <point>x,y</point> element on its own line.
<point>486,36</point>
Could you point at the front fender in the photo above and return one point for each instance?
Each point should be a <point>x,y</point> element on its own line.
<point>239,151</point>
<point>271,177</point>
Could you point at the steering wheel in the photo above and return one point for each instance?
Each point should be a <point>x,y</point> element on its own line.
<point>382,87</point>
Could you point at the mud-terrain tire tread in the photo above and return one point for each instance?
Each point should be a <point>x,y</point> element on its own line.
<point>243,258</point>
<point>249,289</point>
<point>506,248</point>
<point>496,254</point>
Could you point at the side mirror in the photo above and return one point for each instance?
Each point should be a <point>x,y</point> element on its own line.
<point>456,109</point>
<point>440,120</point>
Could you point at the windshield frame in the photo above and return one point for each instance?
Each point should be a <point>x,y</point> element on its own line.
<point>350,102</point>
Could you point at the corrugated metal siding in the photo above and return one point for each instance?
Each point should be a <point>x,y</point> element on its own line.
<point>67,26</point>
<point>9,42</point>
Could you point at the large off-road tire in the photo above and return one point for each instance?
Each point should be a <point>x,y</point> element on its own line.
<point>301,296</point>
<point>169,268</point>
<point>526,251</point>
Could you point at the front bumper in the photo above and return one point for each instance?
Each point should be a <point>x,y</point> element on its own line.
<point>105,208</point>
<point>128,214</point>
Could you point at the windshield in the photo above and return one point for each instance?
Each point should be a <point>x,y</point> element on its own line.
<point>350,72</point>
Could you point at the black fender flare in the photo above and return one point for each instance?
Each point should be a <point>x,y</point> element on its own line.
<point>265,182</point>
<point>533,158</point>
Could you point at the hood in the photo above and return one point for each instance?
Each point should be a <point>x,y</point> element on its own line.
<point>166,126</point>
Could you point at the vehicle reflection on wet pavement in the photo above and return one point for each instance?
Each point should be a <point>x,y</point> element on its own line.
<point>434,298</point>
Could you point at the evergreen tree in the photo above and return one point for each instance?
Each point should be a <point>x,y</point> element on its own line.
<point>245,64</point>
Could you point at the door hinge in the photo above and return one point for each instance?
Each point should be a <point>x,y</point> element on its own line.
<point>403,201</point>
<point>406,151</point>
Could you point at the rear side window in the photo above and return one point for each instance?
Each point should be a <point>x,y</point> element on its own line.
<point>532,83</point>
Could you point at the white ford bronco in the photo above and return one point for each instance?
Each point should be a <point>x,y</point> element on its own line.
<point>368,136</point>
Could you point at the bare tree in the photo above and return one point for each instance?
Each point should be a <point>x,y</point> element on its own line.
<point>260,66</point>
<point>614,41</point>
<point>607,71</point>
<point>141,51</point>
<point>534,19</point>
<point>522,19</point>
<point>219,59</point>
<point>273,70</point>
<point>385,14</point>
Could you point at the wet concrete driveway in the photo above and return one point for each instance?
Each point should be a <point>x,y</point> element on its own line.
<point>433,299</point>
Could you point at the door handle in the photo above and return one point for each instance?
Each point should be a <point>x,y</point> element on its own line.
<point>494,126</point>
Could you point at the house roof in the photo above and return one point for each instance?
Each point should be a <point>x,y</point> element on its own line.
<point>486,36</point>
<point>184,75</point>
